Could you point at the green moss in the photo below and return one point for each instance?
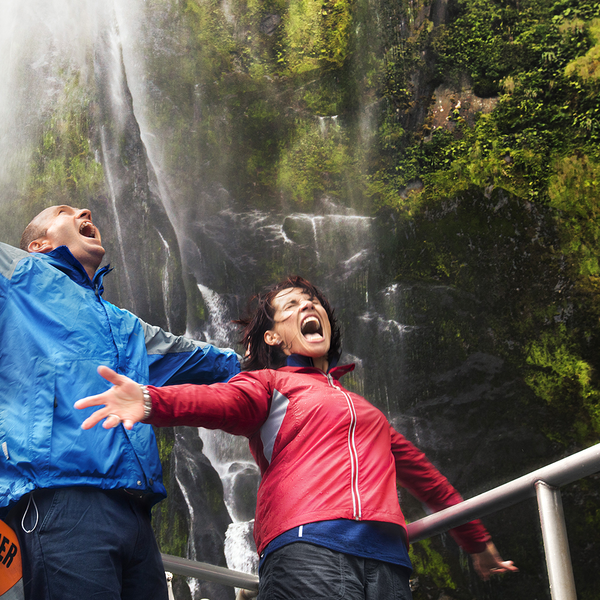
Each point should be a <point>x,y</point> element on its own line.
<point>559,375</point>
<point>574,192</point>
<point>170,526</point>
<point>64,167</point>
<point>426,560</point>
<point>317,162</point>
<point>172,532</point>
<point>587,66</point>
<point>316,35</point>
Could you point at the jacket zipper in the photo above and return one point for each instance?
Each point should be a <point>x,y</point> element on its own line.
<point>356,502</point>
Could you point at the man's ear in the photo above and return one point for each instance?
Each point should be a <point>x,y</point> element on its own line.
<point>40,245</point>
<point>272,338</point>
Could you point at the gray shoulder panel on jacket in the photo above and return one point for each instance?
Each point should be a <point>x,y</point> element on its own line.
<point>9,258</point>
<point>159,341</point>
<point>271,427</point>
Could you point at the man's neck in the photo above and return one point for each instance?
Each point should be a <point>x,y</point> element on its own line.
<point>89,269</point>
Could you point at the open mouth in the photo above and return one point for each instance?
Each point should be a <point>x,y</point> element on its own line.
<point>311,329</point>
<point>87,229</point>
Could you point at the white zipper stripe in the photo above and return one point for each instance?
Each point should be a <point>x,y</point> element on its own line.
<point>352,461</point>
<point>354,455</point>
<point>353,451</point>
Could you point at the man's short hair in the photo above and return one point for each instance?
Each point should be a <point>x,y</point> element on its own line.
<point>33,231</point>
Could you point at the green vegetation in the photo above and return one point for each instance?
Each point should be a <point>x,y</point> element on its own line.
<point>538,142</point>
<point>502,202</point>
<point>63,167</point>
<point>170,527</point>
<point>426,559</point>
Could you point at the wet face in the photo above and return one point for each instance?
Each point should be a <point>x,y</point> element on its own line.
<point>71,227</point>
<point>301,326</point>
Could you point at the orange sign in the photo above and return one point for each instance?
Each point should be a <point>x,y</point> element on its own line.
<point>10,559</point>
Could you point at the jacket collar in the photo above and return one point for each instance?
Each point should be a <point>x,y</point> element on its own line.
<point>303,362</point>
<point>62,259</point>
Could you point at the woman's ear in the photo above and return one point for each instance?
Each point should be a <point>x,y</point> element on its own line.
<point>272,338</point>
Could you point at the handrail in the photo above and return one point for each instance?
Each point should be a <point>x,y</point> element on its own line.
<point>562,472</point>
<point>207,572</point>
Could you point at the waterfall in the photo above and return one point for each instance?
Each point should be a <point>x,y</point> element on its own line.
<point>220,331</point>
<point>115,213</point>
<point>238,472</point>
<point>166,286</point>
<point>232,460</point>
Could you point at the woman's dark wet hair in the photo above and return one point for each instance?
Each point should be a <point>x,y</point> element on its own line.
<point>259,354</point>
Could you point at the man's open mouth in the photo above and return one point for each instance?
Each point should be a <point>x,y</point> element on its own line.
<point>87,229</point>
<point>311,329</point>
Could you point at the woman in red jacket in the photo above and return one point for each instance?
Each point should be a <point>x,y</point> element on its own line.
<point>328,523</point>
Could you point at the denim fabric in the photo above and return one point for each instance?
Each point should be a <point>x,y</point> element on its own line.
<point>86,543</point>
<point>302,571</point>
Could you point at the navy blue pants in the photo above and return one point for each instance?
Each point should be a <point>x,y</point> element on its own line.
<point>86,543</point>
<point>302,571</point>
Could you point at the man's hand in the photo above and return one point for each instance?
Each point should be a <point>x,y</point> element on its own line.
<point>489,562</point>
<point>124,402</point>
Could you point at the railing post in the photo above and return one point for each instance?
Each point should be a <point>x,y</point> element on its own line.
<point>556,545</point>
<point>169,577</point>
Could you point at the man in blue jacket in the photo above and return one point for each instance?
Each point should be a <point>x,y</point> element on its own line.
<point>79,500</point>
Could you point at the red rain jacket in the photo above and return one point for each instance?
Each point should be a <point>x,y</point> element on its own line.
<point>323,452</point>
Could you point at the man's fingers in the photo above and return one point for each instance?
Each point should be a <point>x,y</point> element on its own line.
<point>111,420</point>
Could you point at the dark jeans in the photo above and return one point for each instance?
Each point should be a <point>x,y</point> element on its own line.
<point>87,544</point>
<point>303,571</point>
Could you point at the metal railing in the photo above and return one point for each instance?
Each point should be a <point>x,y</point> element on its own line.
<point>543,484</point>
<point>206,572</point>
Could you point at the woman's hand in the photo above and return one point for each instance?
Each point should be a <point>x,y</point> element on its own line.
<point>123,403</point>
<point>489,562</point>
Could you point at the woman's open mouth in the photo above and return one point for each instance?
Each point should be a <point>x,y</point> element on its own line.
<point>311,329</point>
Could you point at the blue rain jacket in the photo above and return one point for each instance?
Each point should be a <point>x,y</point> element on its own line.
<point>55,329</point>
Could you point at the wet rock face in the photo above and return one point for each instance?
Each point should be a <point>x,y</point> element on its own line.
<point>453,105</point>
<point>269,24</point>
<point>207,516</point>
<point>246,479</point>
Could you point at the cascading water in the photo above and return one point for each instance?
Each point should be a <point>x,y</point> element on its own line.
<point>231,458</point>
